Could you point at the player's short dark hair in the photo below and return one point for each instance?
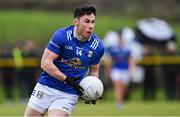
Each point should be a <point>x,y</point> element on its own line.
<point>84,10</point>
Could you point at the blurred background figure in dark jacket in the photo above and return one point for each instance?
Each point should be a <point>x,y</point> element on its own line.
<point>7,72</point>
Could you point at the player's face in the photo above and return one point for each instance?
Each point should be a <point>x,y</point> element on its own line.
<point>85,25</point>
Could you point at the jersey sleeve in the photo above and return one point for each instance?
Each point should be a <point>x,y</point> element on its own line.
<point>107,52</point>
<point>56,42</point>
<point>100,53</point>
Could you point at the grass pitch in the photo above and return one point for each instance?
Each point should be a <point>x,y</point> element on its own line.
<point>107,108</point>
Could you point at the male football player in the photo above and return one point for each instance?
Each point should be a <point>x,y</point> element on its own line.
<point>70,54</point>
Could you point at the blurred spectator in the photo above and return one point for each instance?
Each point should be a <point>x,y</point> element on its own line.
<point>153,33</point>
<point>150,79</point>
<point>25,72</point>
<point>170,72</point>
<point>7,73</point>
<point>119,62</point>
<point>18,60</point>
<point>30,72</point>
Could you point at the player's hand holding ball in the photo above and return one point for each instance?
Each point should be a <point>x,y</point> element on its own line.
<point>93,89</point>
<point>73,82</point>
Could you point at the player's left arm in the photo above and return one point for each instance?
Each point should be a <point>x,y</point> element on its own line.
<point>94,67</point>
<point>94,70</point>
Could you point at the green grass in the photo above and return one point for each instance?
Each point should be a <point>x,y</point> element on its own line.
<point>130,108</point>
<point>107,108</point>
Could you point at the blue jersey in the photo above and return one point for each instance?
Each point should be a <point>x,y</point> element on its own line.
<point>74,57</point>
<point>120,57</point>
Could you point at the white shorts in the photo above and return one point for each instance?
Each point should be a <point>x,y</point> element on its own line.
<point>44,99</point>
<point>120,75</point>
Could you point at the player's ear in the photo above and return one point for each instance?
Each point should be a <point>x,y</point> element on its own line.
<point>76,21</point>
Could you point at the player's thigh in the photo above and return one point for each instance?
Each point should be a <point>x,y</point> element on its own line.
<point>32,112</point>
<point>63,104</point>
<point>39,100</point>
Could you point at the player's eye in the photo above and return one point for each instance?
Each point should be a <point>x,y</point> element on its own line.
<point>87,21</point>
<point>93,21</point>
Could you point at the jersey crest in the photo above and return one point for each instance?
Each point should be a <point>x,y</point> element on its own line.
<point>90,54</point>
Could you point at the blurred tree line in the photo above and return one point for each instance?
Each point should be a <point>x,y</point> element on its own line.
<point>167,9</point>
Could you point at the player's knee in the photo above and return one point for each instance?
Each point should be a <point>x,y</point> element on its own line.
<point>31,112</point>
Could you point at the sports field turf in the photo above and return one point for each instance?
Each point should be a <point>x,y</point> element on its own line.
<point>105,108</point>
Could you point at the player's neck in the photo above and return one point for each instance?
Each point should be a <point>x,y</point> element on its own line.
<point>78,36</point>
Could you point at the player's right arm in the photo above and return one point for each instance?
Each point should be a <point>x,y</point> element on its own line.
<point>51,53</point>
<point>48,66</point>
